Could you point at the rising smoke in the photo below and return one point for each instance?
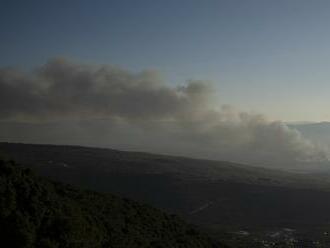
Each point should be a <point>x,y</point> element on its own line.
<point>70,103</point>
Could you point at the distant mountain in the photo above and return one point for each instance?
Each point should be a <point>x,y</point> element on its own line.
<point>220,197</point>
<point>51,160</point>
<point>35,212</point>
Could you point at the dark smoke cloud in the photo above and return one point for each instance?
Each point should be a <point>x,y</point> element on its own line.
<point>65,102</point>
<point>62,89</point>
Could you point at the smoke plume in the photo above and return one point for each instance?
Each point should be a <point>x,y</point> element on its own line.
<point>69,103</point>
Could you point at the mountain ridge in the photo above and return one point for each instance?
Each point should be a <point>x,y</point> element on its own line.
<point>35,212</point>
<point>217,197</point>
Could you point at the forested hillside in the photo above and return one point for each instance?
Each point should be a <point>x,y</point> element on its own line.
<point>35,212</point>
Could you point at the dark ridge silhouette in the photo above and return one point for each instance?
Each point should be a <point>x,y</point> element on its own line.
<point>234,204</point>
<point>35,212</point>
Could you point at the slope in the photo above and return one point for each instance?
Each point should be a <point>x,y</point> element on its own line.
<point>38,213</point>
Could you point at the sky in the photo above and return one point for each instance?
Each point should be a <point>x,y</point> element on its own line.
<point>264,56</point>
<point>207,79</point>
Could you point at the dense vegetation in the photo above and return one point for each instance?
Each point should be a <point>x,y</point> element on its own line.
<point>35,212</point>
<point>242,206</point>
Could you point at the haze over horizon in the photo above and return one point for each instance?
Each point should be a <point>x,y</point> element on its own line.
<point>214,79</point>
<point>165,123</point>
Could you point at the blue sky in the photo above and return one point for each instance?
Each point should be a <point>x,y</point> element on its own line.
<point>265,56</point>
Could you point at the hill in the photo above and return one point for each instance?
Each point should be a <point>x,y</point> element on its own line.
<point>221,197</point>
<point>35,212</point>
<point>52,159</point>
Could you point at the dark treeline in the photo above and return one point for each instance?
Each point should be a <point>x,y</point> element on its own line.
<point>35,212</point>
